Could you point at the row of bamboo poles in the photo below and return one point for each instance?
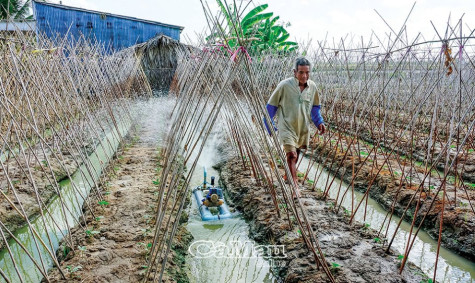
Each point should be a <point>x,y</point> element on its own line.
<point>399,108</point>
<point>59,101</point>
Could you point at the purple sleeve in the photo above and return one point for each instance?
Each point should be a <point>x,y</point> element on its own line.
<point>316,116</point>
<point>271,109</point>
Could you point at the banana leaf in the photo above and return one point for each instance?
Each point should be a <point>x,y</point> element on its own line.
<point>254,12</point>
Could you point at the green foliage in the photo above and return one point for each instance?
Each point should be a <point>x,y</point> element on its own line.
<point>73,269</point>
<point>66,251</point>
<point>335,265</point>
<point>258,29</point>
<point>400,257</point>
<point>103,202</point>
<point>377,240</point>
<point>470,186</point>
<point>91,233</point>
<point>15,9</point>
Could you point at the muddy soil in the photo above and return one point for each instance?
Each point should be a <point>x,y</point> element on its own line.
<point>392,192</point>
<point>350,251</point>
<point>390,137</point>
<point>117,251</point>
<point>41,178</point>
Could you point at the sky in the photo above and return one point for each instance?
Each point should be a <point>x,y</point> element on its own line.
<point>310,19</point>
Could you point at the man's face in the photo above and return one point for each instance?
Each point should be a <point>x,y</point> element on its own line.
<point>302,74</point>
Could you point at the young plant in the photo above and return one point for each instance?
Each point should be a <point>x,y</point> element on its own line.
<point>91,233</point>
<point>72,270</point>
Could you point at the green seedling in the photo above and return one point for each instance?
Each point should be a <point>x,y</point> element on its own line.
<point>144,266</point>
<point>377,240</point>
<point>310,182</point>
<point>471,150</point>
<point>364,153</point>
<point>347,212</point>
<point>335,266</point>
<point>282,205</point>
<point>107,193</point>
<point>431,187</point>
<point>156,182</point>
<point>366,226</point>
<point>300,174</point>
<point>146,231</point>
<point>103,202</point>
<point>300,232</point>
<point>99,218</point>
<point>66,250</point>
<point>400,257</point>
<point>470,186</point>
<point>91,233</point>
<point>73,269</point>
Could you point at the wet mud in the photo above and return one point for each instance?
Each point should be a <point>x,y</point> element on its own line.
<point>351,252</point>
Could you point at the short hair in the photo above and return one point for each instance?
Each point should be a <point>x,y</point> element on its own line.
<point>301,61</point>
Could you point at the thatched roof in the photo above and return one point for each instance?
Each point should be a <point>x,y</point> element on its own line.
<point>159,57</point>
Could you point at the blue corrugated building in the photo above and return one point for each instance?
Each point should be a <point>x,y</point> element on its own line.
<point>115,32</point>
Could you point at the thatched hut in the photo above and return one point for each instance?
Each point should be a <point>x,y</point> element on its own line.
<point>159,57</point>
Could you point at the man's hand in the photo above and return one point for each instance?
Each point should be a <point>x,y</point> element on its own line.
<point>321,129</point>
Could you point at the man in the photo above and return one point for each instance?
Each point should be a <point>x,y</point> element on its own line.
<point>296,102</point>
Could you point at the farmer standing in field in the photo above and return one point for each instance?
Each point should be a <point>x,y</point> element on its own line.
<point>296,102</point>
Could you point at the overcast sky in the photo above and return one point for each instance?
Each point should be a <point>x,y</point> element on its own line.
<point>309,18</point>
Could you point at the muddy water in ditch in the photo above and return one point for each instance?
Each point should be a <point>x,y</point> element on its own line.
<point>451,267</point>
<point>206,262</point>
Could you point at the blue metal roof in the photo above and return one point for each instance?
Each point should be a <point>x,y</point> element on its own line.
<point>114,31</point>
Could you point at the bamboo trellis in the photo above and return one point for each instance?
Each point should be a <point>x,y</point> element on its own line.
<point>60,101</point>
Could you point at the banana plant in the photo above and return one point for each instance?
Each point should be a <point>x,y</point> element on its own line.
<point>257,29</point>
<point>15,9</point>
